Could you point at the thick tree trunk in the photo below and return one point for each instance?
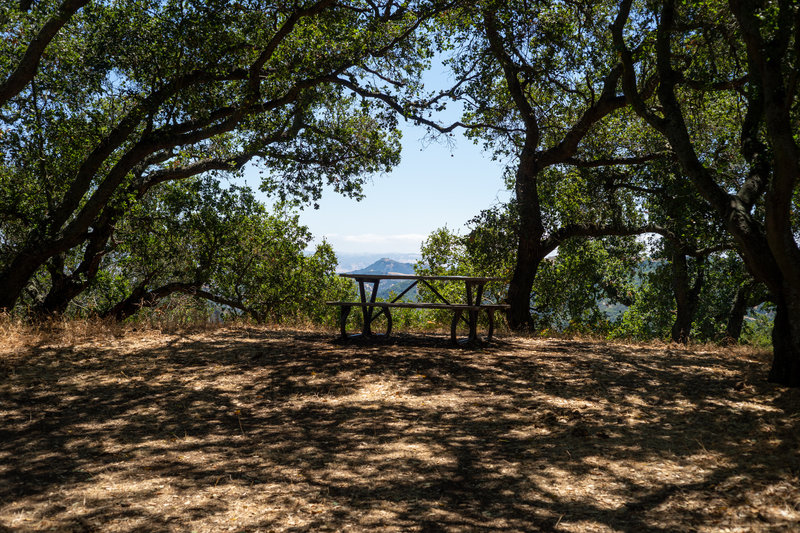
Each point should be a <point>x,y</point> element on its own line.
<point>62,292</point>
<point>680,291</point>
<point>14,279</point>
<point>130,305</point>
<point>786,340</point>
<point>529,257</point>
<point>685,297</point>
<point>16,276</point>
<point>529,241</point>
<point>63,288</point>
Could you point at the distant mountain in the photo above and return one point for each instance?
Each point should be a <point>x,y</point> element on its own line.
<point>388,288</point>
<point>350,262</point>
<point>386,266</point>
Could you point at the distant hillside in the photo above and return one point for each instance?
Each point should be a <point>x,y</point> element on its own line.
<point>350,262</point>
<point>390,288</point>
<point>386,266</point>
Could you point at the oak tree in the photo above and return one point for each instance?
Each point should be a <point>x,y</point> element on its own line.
<point>103,101</point>
<point>739,61</point>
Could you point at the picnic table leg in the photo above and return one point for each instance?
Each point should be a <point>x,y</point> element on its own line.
<point>490,312</point>
<point>472,320</point>
<point>366,309</point>
<point>343,313</point>
<point>474,298</point>
<point>454,325</point>
<point>473,326</point>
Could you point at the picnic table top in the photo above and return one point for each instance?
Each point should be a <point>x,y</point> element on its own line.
<point>472,279</point>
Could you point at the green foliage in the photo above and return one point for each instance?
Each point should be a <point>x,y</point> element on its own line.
<point>723,274</point>
<point>491,242</point>
<point>757,330</point>
<point>446,253</point>
<point>619,287</point>
<point>132,94</point>
<point>113,152</point>
<point>443,254</point>
<point>651,314</point>
<point>579,287</point>
<point>223,245</point>
<point>560,52</point>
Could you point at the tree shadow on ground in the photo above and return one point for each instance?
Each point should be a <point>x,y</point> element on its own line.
<point>249,429</point>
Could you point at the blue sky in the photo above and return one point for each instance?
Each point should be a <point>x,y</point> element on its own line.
<point>434,185</point>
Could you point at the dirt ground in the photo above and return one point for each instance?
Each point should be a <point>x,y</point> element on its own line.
<point>257,429</point>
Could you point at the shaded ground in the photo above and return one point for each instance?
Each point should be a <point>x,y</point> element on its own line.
<point>248,429</point>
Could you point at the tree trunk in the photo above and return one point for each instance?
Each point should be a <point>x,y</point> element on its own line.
<point>62,292</point>
<point>685,297</point>
<point>733,330</point>
<point>680,291</point>
<point>786,340</point>
<point>519,290</point>
<point>529,242</point>
<point>14,279</point>
<point>63,288</point>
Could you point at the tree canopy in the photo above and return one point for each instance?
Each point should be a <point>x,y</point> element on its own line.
<point>131,94</point>
<point>539,82</point>
<point>619,118</point>
<point>738,61</point>
<point>104,102</point>
<point>616,118</point>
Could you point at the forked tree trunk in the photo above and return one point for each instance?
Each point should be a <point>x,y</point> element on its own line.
<point>62,291</point>
<point>686,297</point>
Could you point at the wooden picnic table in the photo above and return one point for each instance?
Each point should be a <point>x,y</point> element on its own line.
<point>467,312</point>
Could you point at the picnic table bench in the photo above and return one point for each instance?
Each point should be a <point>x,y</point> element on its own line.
<point>467,312</point>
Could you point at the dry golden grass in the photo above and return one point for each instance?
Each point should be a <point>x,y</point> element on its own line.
<point>246,428</point>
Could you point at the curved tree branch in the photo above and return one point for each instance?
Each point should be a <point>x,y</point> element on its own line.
<point>29,64</point>
<point>512,73</point>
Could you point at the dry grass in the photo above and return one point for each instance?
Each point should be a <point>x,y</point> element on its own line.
<point>254,429</point>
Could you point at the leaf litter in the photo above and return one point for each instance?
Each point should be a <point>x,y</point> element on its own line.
<point>259,429</point>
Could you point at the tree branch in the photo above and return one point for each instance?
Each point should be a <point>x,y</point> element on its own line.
<point>266,54</point>
<point>394,104</point>
<point>511,72</point>
<point>29,64</point>
<point>555,239</point>
<point>629,83</point>
<point>724,85</point>
<point>615,161</point>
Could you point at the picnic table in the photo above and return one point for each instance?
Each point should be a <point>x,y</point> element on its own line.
<point>462,312</point>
